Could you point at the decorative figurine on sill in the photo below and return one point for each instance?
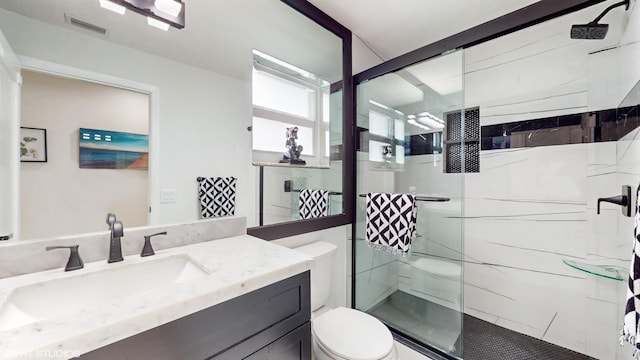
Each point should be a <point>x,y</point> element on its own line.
<point>292,156</point>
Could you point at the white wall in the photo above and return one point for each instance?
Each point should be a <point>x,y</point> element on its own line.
<point>9,118</point>
<point>59,198</point>
<point>203,115</point>
<point>363,57</point>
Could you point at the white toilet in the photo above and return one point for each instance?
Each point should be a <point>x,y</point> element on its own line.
<point>341,333</point>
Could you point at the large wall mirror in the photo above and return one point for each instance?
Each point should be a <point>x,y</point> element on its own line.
<point>195,87</point>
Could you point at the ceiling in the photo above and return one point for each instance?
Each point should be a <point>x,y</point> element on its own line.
<point>391,28</point>
<point>219,32</point>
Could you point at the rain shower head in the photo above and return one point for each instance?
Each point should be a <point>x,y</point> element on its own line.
<point>593,30</point>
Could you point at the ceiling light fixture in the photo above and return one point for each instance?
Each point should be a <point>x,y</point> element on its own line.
<point>158,24</point>
<point>170,7</point>
<point>169,12</point>
<point>431,123</point>
<point>415,123</point>
<point>113,7</point>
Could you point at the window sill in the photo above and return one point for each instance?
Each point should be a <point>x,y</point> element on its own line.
<point>272,164</point>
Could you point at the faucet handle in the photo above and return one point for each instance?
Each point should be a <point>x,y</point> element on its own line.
<point>111,218</point>
<point>147,249</point>
<point>74,262</point>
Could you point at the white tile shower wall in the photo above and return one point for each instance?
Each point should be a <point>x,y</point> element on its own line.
<point>439,228</point>
<point>376,271</point>
<point>526,211</point>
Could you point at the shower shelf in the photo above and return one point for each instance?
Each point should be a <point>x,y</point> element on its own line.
<point>606,271</point>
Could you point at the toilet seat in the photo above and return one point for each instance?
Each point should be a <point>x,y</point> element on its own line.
<point>351,334</point>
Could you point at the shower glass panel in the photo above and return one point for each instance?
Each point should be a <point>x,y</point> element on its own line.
<point>412,139</point>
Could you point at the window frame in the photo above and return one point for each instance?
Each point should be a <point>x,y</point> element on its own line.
<point>315,122</point>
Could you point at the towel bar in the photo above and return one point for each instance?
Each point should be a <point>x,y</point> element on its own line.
<point>330,192</point>
<point>424,198</point>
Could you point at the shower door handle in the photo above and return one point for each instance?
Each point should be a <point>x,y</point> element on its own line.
<point>623,200</point>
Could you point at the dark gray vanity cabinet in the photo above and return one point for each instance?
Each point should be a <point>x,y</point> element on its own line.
<point>268,323</point>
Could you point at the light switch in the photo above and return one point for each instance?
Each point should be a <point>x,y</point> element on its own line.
<point>168,196</point>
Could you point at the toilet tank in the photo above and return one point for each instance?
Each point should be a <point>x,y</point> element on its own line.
<point>322,254</point>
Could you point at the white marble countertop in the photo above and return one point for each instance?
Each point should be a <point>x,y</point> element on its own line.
<point>235,266</point>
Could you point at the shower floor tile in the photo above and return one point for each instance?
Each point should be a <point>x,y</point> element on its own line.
<point>483,340</point>
<point>439,326</point>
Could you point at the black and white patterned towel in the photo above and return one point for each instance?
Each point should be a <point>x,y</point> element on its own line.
<point>632,312</point>
<point>313,203</point>
<point>217,196</point>
<point>391,221</point>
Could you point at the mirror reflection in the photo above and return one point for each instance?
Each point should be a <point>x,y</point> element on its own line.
<point>94,186</point>
<point>305,164</point>
<point>197,83</point>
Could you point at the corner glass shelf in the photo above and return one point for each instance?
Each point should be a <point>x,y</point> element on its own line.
<point>606,271</point>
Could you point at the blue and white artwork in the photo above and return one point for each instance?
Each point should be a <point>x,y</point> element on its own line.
<point>101,149</point>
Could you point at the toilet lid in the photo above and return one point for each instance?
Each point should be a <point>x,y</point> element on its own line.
<point>351,334</point>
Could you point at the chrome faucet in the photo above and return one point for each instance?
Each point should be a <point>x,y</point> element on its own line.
<point>116,232</point>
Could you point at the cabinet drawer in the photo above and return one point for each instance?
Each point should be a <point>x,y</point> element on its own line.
<point>257,319</point>
<point>296,345</point>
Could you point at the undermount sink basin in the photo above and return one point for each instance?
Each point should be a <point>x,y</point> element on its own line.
<point>91,290</point>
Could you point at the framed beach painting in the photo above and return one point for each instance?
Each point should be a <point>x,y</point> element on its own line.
<point>33,144</point>
<point>102,149</point>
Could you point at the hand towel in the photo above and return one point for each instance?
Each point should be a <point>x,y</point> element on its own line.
<point>632,315</point>
<point>217,196</point>
<point>390,221</point>
<point>313,203</point>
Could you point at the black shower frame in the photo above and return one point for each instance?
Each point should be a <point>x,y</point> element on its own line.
<point>528,16</point>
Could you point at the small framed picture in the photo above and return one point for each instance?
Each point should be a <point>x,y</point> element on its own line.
<point>33,145</point>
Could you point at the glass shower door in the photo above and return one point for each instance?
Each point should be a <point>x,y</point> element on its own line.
<point>414,137</point>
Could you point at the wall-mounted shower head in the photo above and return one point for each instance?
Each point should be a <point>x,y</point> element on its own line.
<point>593,30</point>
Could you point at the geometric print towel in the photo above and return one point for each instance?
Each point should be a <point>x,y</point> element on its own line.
<point>313,203</point>
<point>632,311</point>
<point>217,196</point>
<point>390,221</point>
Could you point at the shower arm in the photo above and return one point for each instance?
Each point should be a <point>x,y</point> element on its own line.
<point>625,2</point>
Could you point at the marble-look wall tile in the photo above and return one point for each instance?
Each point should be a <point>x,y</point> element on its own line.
<point>522,300</point>
<point>27,256</point>
<point>524,213</point>
<point>602,328</point>
<point>610,240</point>
<point>528,210</point>
<point>376,285</point>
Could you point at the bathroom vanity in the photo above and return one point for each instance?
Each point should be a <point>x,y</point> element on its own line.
<point>233,298</point>
<point>269,323</point>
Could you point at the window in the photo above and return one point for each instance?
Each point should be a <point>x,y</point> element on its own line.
<point>283,97</point>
